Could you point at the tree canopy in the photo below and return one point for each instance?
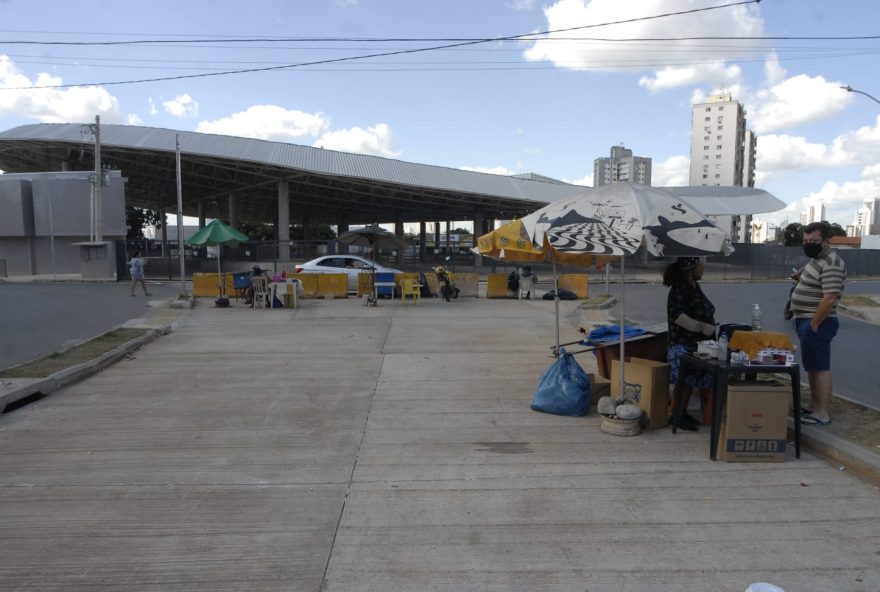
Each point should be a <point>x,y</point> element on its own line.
<point>138,218</point>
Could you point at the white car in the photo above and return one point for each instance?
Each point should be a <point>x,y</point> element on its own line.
<point>348,264</point>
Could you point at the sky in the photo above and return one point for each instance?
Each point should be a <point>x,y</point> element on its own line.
<point>548,104</point>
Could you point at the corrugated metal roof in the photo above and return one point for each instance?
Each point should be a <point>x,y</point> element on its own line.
<point>303,158</point>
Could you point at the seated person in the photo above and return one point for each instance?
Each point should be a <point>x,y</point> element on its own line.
<point>527,282</point>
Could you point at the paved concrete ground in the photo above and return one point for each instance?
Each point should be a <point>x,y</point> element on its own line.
<point>339,447</point>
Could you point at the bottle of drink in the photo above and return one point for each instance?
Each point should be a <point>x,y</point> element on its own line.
<point>722,347</point>
<point>756,318</point>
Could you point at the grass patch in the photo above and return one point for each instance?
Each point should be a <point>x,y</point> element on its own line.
<point>858,300</point>
<point>58,361</point>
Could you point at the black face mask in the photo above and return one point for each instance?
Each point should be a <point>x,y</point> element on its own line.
<point>812,250</point>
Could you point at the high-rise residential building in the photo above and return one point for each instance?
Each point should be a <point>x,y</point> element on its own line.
<point>813,213</point>
<point>723,153</point>
<point>621,166</point>
<point>867,220</point>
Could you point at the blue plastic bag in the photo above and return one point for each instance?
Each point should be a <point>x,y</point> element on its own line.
<point>564,388</point>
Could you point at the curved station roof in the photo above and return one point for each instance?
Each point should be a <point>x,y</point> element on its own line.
<point>324,185</point>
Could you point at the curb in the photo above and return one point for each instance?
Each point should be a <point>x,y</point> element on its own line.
<point>838,451</point>
<point>50,384</point>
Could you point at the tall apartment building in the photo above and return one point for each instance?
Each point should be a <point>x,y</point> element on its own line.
<point>621,166</point>
<point>813,213</point>
<point>723,153</point>
<point>867,220</point>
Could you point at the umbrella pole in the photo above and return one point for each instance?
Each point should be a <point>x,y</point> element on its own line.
<point>556,299</point>
<point>622,314</point>
<point>219,274</point>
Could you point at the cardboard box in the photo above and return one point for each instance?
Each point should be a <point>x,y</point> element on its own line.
<point>755,422</point>
<point>647,383</point>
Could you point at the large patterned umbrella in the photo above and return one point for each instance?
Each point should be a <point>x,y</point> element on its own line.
<point>609,222</point>
<point>613,220</point>
<point>217,234</point>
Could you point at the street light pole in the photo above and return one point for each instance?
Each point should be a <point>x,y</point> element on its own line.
<point>848,88</point>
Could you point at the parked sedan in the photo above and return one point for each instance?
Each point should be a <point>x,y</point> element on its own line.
<point>352,265</point>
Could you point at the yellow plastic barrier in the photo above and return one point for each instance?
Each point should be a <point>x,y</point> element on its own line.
<point>576,282</point>
<point>309,284</point>
<point>332,284</point>
<point>496,286</point>
<point>205,285</point>
<point>468,283</point>
<point>365,284</point>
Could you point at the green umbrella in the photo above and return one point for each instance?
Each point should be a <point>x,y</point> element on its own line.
<point>217,234</point>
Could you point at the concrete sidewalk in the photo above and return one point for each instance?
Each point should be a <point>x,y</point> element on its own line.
<point>338,447</point>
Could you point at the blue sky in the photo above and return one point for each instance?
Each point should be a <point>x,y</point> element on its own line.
<point>548,107</point>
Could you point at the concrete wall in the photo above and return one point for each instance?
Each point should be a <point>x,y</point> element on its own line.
<point>34,207</point>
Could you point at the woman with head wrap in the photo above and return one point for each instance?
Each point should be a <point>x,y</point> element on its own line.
<point>691,319</point>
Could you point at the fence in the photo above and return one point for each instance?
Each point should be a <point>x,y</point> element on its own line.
<point>747,262</point>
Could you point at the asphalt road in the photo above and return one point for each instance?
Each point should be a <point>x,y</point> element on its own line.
<point>853,350</point>
<point>39,318</point>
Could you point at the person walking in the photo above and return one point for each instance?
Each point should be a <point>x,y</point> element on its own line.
<point>137,273</point>
<point>814,306</point>
<point>691,318</point>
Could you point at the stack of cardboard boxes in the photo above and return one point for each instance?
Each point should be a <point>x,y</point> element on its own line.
<point>755,418</point>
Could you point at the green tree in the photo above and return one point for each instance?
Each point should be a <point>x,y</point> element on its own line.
<point>258,230</point>
<point>138,218</point>
<point>316,232</point>
<point>837,229</point>
<point>793,235</point>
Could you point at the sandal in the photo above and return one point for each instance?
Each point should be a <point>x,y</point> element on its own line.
<point>815,421</point>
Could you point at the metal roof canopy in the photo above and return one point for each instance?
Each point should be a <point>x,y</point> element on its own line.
<point>325,186</point>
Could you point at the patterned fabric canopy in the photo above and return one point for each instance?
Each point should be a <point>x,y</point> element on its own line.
<point>610,221</point>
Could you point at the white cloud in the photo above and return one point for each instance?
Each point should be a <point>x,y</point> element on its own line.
<point>53,105</point>
<point>737,21</point>
<point>586,180</point>
<point>523,5</point>
<point>377,140</point>
<point>778,153</point>
<point>717,73</point>
<point>795,101</point>
<point>133,119</point>
<point>673,172</point>
<point>531,151</point>
<point>181,106</point>
<point>773,72</point>
<point>153,109</point>
<point>268,122</point>
<point>872,171</point>
<point>498,170</point>
<point>841,201</point>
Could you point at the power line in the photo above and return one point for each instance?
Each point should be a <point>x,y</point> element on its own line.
<point>525,36</point>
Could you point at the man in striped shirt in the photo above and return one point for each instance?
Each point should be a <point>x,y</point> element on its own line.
<point>814,304</point>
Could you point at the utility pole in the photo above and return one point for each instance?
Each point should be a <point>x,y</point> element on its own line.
<point>99,180</point>
<point>180,243</point>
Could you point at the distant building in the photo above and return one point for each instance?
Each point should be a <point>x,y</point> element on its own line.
<point>723,153</point>
<point>813,213</point>
<point>867,219</point>
<point>621,166</point>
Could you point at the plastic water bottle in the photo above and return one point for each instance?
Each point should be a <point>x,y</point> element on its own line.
<point>756,318</point>
<point>722,347</point>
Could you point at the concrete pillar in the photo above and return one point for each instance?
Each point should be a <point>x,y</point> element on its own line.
<point>422,240</point>
<point>201,213</point>
<point>233,211</point>
<point>448,246</point>
<point>479,226</point>
<point>309,250</point>
<point>436,239</point>
<point>65,165</point>
<point>282,228</point>
<point>398,230</point>
<point>164,229</point>
<point>341,228</point>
